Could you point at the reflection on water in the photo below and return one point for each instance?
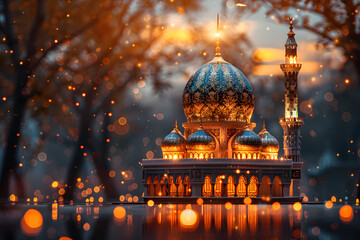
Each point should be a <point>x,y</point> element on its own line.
<point>176,221</point>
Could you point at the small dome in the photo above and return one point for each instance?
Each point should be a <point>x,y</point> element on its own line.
<point>175,141</point>
<point>200,140</point>
<point>269,143</point>
<point>246,140</point>
<point>218,91</point>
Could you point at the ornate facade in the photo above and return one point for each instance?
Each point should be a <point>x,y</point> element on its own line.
<point>220,156</point>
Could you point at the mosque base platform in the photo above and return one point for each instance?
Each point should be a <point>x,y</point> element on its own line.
<point>221,200</point>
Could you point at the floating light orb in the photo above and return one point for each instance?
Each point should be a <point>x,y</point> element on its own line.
<point>247,201</point>
<point>228,205</point>
<point>329,204</point>
<point>119,213</point>
<point>150,203</point>
<point>32,222</point>
<point>200,201</point>
<point>276,206</point>
<point>346,213</point>
<point>188,218</point>
<point>297,206</point>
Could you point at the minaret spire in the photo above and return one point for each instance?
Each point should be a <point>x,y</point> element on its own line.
<point>291,123</point>
<point>217,49</point>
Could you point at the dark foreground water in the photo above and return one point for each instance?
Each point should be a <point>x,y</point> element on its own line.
<point>140,221</point>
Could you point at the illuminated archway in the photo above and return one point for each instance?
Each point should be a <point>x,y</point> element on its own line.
<point>241,187</point>
<point>163,184</point>
<point>150,186</point>
<point>157,186</point>
<point>180,188</point>
<point>218,187</point>
<point>207,187</point>
<point>264,189</point>
<point>252,187</point>
<point>276,189</point>
<point>230,187</point>
<point>187,186</point>
<point>173,188</point>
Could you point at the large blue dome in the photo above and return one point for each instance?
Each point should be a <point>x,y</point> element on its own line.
<point>218,91</point>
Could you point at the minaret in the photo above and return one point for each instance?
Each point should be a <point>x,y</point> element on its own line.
<point>291,123</point>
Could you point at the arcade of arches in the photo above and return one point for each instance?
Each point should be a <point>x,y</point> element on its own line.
<point>240,187</point>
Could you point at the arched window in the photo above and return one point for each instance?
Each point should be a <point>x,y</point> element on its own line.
<point>206,155</point>
<point>264,190</point>
<point>181,156</point>
<point>243,156</point>
<point>218,187</point>
<point>230,187</point>
<point>173,188</point>
<point>239,156</point>
<point>252,187</point>
<point>201,156</point>
<point>267,156</point>
<point>211,155</point>
<point>207,187</point>
<point>150,186</point>
<point>276,189</point>
<point>170,156</point>
<point>157,186</point>
<point>254,156</point>
<point>180,188</point>
<point>241,187</point>
<point>165,156</point>
<point>187,186</point>
<point>191,155</point>
<point>196,156</point>
<point>164,190</point>
<point>272,156</point>
<point>249,156</point>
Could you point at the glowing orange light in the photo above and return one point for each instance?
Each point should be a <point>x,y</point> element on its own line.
<point>150,203</point>
<point>346,213</point>
<point>32,222</point>
<point>297,206</point>
<point>188,218</point>
<point>247,201</point>
<point>119,212</point>
<point>86,226</point>
<point>333,199</point>
<point>276,206</point>
<point>12,198</point>
<point>65,238</point>
<point>199,201</point>
<point>247,172</point>
<point>4,98</point>
<point>329,204</point>
<point>238,171</point>
<point>241,5</point>
<point>228,205</point>
<point>55,184</point>
<point>347,81</point>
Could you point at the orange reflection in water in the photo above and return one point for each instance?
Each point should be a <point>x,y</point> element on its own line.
<point>31,223</point>
<point>240,221</point>
<point>119,214</point>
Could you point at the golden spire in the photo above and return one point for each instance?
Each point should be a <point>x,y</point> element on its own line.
<point>176,127</point>
<point>217,49</point>
<point>264,125</point>
<point>291,33</point>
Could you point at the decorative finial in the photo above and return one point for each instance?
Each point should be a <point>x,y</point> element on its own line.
<point>217,49</point>
<point>291,33</point>
<point>176,127</point>
<point>263,124</point>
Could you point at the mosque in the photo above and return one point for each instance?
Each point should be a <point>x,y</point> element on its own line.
<point>219,158</point>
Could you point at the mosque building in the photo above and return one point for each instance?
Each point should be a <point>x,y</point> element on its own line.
<point>219,157</point>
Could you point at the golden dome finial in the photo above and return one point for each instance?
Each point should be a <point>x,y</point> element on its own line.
<point>264,125</point>
<point>217,49</point>
<point>291,27</point>
<point>176,127</point>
